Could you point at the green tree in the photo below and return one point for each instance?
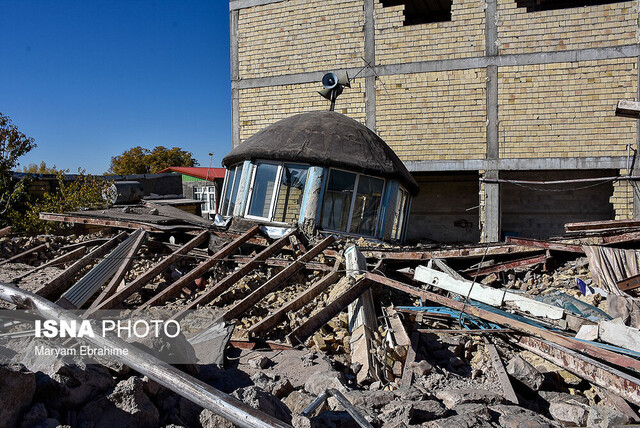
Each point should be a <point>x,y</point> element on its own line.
<point>39,169</point>
<point>139,160</point>
<point>13,145</point>
<point>84,191</point>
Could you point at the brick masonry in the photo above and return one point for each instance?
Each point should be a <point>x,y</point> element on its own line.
<point>546,108</point>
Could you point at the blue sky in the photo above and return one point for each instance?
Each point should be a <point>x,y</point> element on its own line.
<point>89,79</point>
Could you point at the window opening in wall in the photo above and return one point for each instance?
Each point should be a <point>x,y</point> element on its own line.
<point>351,203</point>
<point>290,193</point>
<point>262,190</point>
<point>423,11</point>
<point>206,194</point>
<point>366,206</point>
<point>232,183</point>
<point>336,204</point>
<point>539,5</point>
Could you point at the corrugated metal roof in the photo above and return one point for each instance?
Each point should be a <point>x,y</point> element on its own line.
<point>198,172</point>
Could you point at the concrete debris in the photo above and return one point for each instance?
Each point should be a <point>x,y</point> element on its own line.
<point>425,361</point>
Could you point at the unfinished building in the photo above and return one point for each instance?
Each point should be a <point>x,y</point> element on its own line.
<point>480,100</point>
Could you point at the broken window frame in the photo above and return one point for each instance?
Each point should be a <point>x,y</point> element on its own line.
<point>400,214</point>
<point>227,204</point>
<point>276,191</point>
<point>352,202</point>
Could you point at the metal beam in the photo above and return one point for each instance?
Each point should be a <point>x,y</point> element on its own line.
<point>500,267</point>
<point>166,375</point>
<point>233,277</point>
<point>174,288</point>
<point>459,253</point>
<point>275,281</point>
<point>157,269</point>
<point>549,245</point>
<point>598,373</point>
<point>72,255</point>
<point>22,254</point>
<point>306,329</point>
<point>498,318</point>
<point>298,302</point>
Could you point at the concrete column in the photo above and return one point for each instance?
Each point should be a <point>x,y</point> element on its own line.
<point>491,227</point>
<point>235,76</point>
<point>370,58</point>
<point>492,221</point>
<point>311,199</point>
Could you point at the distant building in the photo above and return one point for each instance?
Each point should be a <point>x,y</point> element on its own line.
<point>471,95</point>
<point>203,184</point>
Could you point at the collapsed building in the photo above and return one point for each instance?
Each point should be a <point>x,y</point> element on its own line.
<point>320,170</point>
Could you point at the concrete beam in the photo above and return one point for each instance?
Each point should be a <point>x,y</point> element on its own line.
<point>604,162</point>
<point>593,54</point>
<point>243,4</point>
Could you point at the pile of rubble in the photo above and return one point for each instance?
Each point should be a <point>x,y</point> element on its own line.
<point>330,332</point>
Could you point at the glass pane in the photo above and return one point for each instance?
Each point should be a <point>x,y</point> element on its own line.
<point>227,192</point>
<point>337,200</point>
<point>290,193</point>
<point>365,210</point>
<point>263,187</point>
<point>234,193</point>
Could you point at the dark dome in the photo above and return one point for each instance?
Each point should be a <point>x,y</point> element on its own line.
<point>324,138</point>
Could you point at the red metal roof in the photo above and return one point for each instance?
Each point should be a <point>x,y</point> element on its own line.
<point>197,172</point>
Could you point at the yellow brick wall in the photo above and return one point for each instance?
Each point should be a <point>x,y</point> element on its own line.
<point>260,107</point>
<point>439,115</point>
<point>297,36</point>
<point>622,198</point>
<point>462,37</point>
<point>605,25</point>
<point>566,109</point>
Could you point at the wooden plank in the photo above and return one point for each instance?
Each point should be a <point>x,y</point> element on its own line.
<point>54,286</point>
<point>72,255</point>
<point>507,389</point>
<point>550,245</point>
<point>306,329</point>
<point>174,288</point>
<point>301,300</point>
<point>277,280</point>
<point>22,254</point>
<point>112,286</point>
<point>177,213</point>
<point>233,277</point>
<point>503,319</point>
<point>407,372</point>
<point>5,231</point>
<point>157,269</point>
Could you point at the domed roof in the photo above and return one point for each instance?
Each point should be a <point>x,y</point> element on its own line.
<point>324,138</point>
